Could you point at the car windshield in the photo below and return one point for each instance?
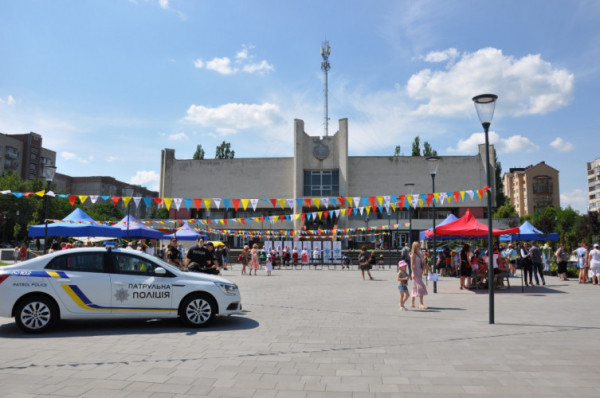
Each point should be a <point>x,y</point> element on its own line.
<point>160,262</point>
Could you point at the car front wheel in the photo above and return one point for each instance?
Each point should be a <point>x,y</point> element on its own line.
<point>36,314</point>
<point>198,310</point>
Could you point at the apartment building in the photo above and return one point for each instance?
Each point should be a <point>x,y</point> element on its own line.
<point>532,188</point>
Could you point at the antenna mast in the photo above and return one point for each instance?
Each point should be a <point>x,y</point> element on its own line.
<point>325,66</point>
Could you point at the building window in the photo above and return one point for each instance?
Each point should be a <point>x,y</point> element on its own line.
<point>321,183</point>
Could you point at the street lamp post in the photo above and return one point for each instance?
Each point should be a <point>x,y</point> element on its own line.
<point>410,187</point>
<point>433,163</point>
<point>49,172</point>
<point>128,193</point>
<point>485,105</point>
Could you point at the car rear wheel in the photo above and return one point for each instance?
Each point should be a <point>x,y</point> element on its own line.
<point>198,310</point>
<point>36,314</point>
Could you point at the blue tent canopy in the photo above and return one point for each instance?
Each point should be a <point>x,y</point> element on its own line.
<point>449,219</point>
<point>78,223</point>
<point>185,233</point>
<point>136,229</point>
<point>529,232</point>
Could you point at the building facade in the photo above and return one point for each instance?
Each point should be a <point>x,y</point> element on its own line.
<point>593,178</point>
<point>321,168</point>
<point>25,155</point>
<point>105,186</point>
<point>532,188</point>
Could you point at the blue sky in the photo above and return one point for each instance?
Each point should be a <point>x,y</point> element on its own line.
<point>108,84</point>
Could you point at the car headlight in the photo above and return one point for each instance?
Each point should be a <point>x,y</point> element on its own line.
<point>228,288</point>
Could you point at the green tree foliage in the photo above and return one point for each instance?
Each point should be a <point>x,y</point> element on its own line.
<point>199,154</point>
<point>224,151</point>
<point>397,150</point>
<point>104,211</point>
<point>500,197</point>
<point>505,211</point>
<point>427,150</point>
<point>416,147</point>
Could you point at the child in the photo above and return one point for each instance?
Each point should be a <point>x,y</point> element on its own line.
<point>403,285</point>
<point>381,262</point>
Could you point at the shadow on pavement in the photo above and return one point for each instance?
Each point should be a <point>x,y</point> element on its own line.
<point>79,328</point>
<point>516,289</point>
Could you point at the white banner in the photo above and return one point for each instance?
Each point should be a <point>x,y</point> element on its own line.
<point>327,252</point>
<point>337,252</point>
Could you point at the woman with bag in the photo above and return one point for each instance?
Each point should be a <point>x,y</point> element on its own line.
<point>364,258</point>
<point>465,267</point>
<point>418,265</point>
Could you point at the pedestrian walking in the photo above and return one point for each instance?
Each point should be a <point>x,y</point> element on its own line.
<point>594,263</point>
<point>403,283</point>
<point>562,258</point>
<point>364,259</point>
<point>418,266</point>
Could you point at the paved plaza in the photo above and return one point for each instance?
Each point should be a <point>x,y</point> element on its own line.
<point>326,333</point>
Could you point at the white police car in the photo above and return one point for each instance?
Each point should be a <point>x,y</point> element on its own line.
<point>110,283</point>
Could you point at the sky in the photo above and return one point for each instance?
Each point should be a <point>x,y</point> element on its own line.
<point>109,84</point>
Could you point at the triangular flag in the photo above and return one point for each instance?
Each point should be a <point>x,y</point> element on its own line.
<point>281,203</point>
<point>325,202</point>
<point>177,202</point>
<point>40,193</point>
<point>245,203</point>
<point>290,203</point>
<point>217,202</point>
<point>83,198</point>
<point>187,202</point>
<point>316,202</point>
<point>147,201</point>
<point>168,202</point>
<point>93,198</point>
<point>126,200</point>
<point>72,199</point>
<point>236,204</point>
<point>115,200</point>
<point>254,203</point>
<point>136,200</point>
<point>207,203</point>
<point>226,203</point>
<point>197,203</point>
<point>158,201</point>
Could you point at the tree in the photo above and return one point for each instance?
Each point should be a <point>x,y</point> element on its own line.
<point>500,197</point>
<point>397,151</point>
<point>199,154</point>
<point>505,211</point>
<point>427,151</point>
<point>416,147</point>
<point>224,151</point>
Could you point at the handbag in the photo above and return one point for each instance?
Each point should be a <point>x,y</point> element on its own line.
<point>433,276</point>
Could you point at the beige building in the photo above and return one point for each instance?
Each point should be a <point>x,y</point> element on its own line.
<point>593,177</point>
<point>532,188</point>
<point>321,167</point>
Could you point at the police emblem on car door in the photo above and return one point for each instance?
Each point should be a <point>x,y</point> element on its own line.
<point>137,289</point>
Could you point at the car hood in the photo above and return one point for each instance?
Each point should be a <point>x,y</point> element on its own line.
<point>204,277</point>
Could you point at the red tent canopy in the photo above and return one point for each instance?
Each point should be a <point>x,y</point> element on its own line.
<point>467,225</point>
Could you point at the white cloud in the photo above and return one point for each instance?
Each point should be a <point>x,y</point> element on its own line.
<point>243,62</point>
<point>512,144</point>
<point>232,117</point>
<point>441,56</point>
<point>77,158</point>
<point>148,178</point>
<point>577,199</point>
<point>111,159</point>
<point>221,65</point>
<point>8,101</point>
<point>261,67</point>
<point>163,4</point>
<point>561,145</point>
<point>525,86</point>
<point>178,136</point>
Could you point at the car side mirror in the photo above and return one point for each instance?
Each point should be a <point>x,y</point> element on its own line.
<point>160,271</point>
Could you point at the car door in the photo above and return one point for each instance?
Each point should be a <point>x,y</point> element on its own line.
<point>137,291</point>
<point>81,282</point>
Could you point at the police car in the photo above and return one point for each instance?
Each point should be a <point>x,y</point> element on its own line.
<point>110,283</point>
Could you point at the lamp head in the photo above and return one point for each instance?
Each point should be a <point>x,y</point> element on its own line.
<point>410,186</point>
<point>433,163</point>
<point>485,105</point>
<point>49,172</point>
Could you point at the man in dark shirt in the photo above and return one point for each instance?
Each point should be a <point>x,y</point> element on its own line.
<point>538,266</point>
<point>201,258</point>
<point>173,254</point>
